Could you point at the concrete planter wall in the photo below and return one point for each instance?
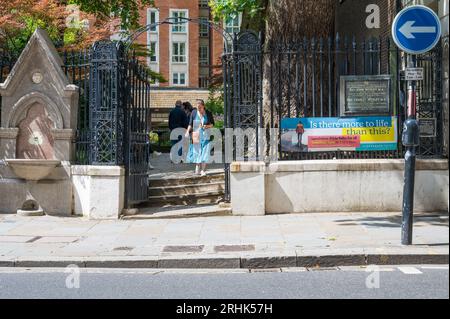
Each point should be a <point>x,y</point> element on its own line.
<point>335,186</point>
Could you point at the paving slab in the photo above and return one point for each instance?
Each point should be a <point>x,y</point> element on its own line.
<point>276,241</point>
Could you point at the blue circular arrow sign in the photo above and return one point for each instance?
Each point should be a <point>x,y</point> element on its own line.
<point>416,29</point>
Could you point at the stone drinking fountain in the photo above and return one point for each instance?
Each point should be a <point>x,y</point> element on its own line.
<point>37,129</point>
<point>32,171</point>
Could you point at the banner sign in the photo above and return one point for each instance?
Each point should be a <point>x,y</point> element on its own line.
<point>339,134</point>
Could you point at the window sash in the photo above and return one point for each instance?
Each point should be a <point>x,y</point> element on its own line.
<point>179,78</point>
<point>179,28</point>
<point>204,28</point>
<point>203,55</point>
<point>233,25</point>
<point>203,4</point>
<point>153,18</point>
<point>153,52</point>
<point>178,52</point>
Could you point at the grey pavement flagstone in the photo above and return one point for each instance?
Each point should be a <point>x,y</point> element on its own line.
<point>277,240</point>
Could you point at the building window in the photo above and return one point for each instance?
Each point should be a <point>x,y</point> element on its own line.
<point>153,17</point>
<point>153,54</point>
<point>233,24</point>
<point>204,27</point>
<point>203,3</point>
<point>203,82</point>
<point>179,78</point>
<point>203,55</point>
<point>180,25</point>
<point>179,52</point>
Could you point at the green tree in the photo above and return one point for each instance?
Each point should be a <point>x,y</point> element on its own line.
<point>281,22</point>
<point>126,10</point>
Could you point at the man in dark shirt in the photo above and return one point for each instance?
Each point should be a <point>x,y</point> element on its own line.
<point>178,119</point>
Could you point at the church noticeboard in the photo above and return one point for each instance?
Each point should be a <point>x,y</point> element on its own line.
<point>428,128</point>
<point>368,95</point>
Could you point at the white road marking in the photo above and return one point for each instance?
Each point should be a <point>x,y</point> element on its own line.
<point>410,270</point>
<point>365,268</point>
<point>435,267</point>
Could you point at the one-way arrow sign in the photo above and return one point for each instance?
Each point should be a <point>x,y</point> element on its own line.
<point>416,29</point>
<point>408,29</point>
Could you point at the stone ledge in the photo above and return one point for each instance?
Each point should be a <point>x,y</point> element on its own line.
<point>63,134</point>
<point>60,173</point>
<point>355,165</point>
<point>9,133</point>
<point>248,167</point>
<point>103,171</point>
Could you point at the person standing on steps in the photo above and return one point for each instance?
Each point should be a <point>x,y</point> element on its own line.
<point>200,149</point>
<point>178,119</point>
<point>188,108</point>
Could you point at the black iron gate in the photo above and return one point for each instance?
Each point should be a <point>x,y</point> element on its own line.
<point>119,111</point>
<point>243,96</point>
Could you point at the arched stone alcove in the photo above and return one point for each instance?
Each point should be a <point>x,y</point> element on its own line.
<point>35,138</point>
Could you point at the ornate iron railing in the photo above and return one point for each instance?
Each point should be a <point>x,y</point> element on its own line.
<point>302,79</point>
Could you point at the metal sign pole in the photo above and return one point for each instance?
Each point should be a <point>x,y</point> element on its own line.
<point>416,30</point>
<point>410,141</point>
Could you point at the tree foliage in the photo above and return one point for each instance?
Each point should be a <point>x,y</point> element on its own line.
<point>126,10</point>
<point>65,20</point>
<point>64,24</point>
<point>254,12</point>
<point>230,8</point>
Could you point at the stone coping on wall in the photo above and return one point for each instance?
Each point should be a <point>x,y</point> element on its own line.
<point>337,165</point>
<point>61,172</point>
<point>248,167</point>
<point>97,170</point>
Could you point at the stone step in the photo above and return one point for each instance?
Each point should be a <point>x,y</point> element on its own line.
<point>174,212</point>
<point>188,180</point>
<point>196,199</point>
<point>189,189</point>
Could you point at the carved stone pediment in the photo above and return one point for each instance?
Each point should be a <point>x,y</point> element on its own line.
<point>39,104</point>
<point>38,74</point>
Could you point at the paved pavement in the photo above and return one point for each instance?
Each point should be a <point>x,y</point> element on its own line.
<point>221,242</point>
<point>408,282</point>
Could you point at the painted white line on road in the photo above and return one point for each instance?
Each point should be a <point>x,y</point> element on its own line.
<point>294,269</point>
<point>410,270</point>
<point>365,268</point>
<point>435,267</point>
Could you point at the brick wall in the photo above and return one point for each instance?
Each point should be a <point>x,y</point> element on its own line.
<point>163,101</point>
<point>351,18</point>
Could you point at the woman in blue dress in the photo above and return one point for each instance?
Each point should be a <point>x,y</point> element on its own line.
<point>200,149</point>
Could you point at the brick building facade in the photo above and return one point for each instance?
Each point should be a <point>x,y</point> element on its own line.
<point>186,55</point>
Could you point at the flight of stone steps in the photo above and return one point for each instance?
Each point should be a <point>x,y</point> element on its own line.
<point>187,189</point>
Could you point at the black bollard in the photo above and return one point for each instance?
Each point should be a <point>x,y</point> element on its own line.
<point>410,141</point>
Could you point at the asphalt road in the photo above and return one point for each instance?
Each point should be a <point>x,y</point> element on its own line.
<point>341,283</point>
